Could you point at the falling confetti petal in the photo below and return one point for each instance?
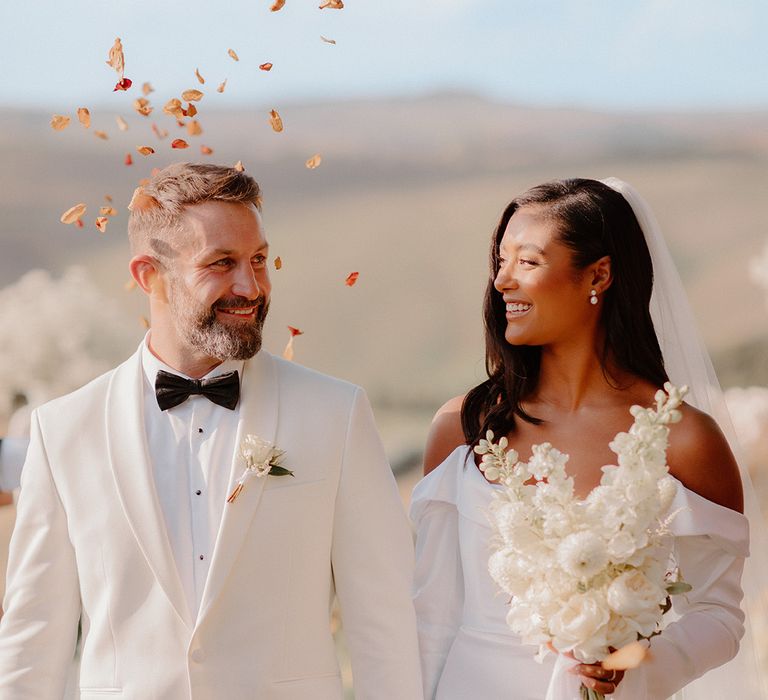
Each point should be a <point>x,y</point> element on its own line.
<point>108,197</point>
<point>160,133</point>
<point>232,55</point>
<point>194,128</point>
<point>142,106</point>
<point>191,95</point>
<point>174,108</point>
<point>179,143</point>
<point>275,121</point>
<point>79,223</point>
<point>59,122</point>
<point>144,321</point>
<point>101,223</point>
<point>72,214</point>
<point>140,201</point>
<point>123,84</point>
<point>84,116</point>
<point>328,41</point>
<point>277,5</point>
<point>101,135</point>
<point>191,110</point>
<point>200,78</point>
<point>239,166</point>
<point>222,86</point>
<point>145,150</point>
<point>266,66</point>
<point>146,88</point>
<point>629,656</point>
<point>278,262</point>
<point>107,211</point>
<point>332,5</point>
<point>288,352</point>
<point>314,161</point>
<point>116,57</point>
<point>121,123</point>
<point>128,159</point>
<point>206,150</point>
<point>351,279</point>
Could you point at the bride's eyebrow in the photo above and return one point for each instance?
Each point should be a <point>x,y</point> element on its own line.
<point>533,247</point>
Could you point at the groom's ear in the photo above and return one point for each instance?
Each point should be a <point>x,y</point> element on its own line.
<point>601,274</point>
<point>146,271</point>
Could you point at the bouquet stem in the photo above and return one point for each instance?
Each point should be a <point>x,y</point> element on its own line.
<point>589,694</point>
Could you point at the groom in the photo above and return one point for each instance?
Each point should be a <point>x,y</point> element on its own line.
<point>130,524</point>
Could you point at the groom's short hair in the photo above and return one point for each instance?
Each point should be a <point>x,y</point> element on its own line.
<point>157,207</point>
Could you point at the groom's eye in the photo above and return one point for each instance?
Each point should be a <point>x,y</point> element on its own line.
<point>223,262</point>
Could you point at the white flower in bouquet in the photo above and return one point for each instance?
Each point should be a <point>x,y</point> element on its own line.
<point>586,576</point>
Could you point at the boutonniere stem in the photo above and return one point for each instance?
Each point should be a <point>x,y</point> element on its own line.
<point>261,459</point>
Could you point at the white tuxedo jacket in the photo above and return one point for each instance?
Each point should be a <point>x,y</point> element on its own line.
<point>90,545</point>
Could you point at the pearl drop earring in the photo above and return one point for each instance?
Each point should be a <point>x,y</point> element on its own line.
<point>593,297</point>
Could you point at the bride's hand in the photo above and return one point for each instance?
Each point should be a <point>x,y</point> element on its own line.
<point>597,678</point>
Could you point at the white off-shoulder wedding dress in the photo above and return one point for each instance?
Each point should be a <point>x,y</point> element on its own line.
<point>469,653</point>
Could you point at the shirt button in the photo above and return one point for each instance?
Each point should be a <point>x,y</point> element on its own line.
<point>202,556</point>
<point>198,492</point>
<point>198,656</point>
<point>199,430</point>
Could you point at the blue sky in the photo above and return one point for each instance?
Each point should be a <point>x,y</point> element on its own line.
<point>615,54</point>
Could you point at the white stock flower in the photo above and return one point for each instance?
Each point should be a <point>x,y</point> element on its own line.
<point>582,554</point>
<point>621,546</point>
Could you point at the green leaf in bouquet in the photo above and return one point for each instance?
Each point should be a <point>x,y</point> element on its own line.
<point>679,587</point>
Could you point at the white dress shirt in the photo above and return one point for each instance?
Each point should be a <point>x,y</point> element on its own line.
<point>191,447</point>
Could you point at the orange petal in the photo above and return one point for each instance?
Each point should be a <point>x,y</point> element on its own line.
<point>314,161</point>
<point>191,95</point>
<point>121,123</point>
<point>351,279</point>
<point>142,106</point>
<point>108,197</point>
<point>629,656</point>
<point>328,41</point>
<point>174,108</point>
<point>73,214</point>
<point>200,78</point>
<point>179,143</point>
<point>222,86</point>
<point>144,321</point>
<point>101,223</point>
<point>295,331</point>
<point>145,150</point>
<point>332,5</point>
<point>232,55</point>
<point>84,116</point>
<point>79,223</point>
<point>191,110</point>
<point>140,201</point>
<point>107,211</point>
<point>128,159</point>
<point>59,122</point>
<point>277,5</point>
<point>101,135</point>
<point>116,58</point>
<point>146,88</point>
<point>160,133</point>
<point>266,66</point>
<point>239,166</point>
<point>123,84</point>
<point>206,150</point>
<point>194,128</point>
<point>278,262</point>
<point>275,120</point>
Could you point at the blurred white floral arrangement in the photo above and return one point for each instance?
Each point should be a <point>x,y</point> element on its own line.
<point>587,575</point>
<point>57,335</point>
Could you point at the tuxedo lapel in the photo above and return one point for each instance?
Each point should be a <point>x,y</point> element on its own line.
<point>259,396</point>
<point>133,474</point>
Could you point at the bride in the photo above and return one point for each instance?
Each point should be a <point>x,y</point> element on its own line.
<point>584,317</point>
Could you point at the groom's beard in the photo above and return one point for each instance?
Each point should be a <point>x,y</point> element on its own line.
<point>202,330</point>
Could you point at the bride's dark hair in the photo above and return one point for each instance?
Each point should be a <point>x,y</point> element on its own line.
<point>593,221</point>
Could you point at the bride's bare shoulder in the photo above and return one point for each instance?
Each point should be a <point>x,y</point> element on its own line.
<point>445,434</point>
<point>699,456</point>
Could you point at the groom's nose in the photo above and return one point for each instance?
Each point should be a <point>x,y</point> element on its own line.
<point>245,283</point>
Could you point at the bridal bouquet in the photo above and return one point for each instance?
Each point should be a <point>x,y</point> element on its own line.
<point>587,576</point>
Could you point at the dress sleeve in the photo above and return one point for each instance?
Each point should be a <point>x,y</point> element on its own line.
<point>711,544</point>
<point>438,584</point>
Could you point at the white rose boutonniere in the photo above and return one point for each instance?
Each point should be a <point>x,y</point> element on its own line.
<point>261,458</point>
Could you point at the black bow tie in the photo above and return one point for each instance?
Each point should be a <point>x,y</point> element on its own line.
<point>171,390</point>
